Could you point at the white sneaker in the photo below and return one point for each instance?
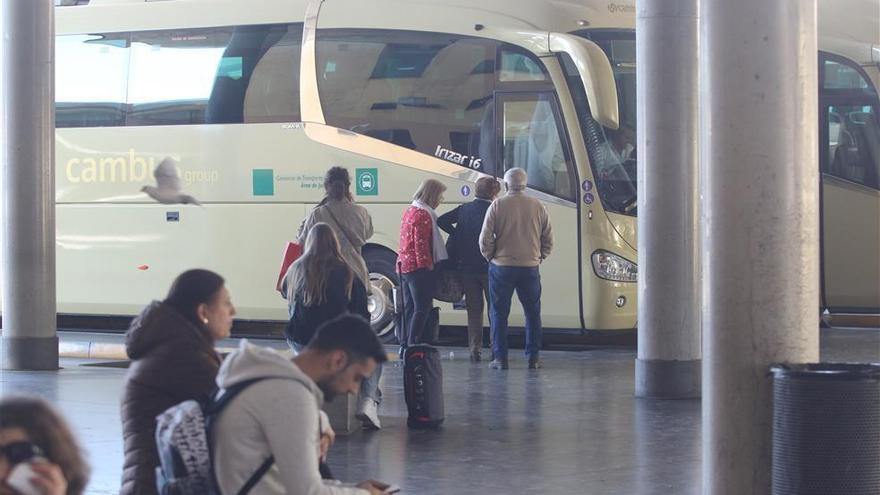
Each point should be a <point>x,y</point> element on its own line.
<point>368,413</point>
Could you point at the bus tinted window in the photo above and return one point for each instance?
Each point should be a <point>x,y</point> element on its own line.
<point>175,77</point>
<point>851,134</point>
<point>272,93</point>
<point>531,140</point>
<point>854,144</point>
<point>612,151</point>
<point>172,74</point>
<point>91,72</point>
<point>517,66</point>
<point>839,75</point>
<point>423,91</point>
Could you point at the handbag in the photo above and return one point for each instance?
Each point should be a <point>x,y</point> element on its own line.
<point>292,252</point>
<point>448,286</point>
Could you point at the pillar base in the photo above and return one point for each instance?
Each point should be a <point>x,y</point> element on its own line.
<point>668,379</point>
<point>29,353</point>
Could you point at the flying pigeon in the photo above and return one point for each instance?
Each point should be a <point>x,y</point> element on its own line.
<point>167,188</point>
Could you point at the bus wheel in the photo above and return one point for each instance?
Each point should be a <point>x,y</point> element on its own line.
<point>383,279</point>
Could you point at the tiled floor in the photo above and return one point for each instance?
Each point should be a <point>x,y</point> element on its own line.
<point>572,427</point>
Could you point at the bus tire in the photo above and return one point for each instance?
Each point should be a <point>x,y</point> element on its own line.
<point>383,279</point>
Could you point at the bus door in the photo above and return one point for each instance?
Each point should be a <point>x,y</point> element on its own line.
<point>530,134</point>
<point>849,114</point>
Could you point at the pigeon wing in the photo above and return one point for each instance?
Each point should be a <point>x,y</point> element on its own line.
<point>167,179</point>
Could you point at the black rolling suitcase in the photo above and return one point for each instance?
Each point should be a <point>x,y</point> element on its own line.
<point>423,386</point>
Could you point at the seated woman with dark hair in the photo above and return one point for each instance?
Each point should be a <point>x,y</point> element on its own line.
<point>38,453</point>
<point>171,345</point>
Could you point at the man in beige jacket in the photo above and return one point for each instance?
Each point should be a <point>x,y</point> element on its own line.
<point>515,239</point>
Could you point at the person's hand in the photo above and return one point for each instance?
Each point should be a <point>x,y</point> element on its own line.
<point>48,479</point>
<point>373,486</point>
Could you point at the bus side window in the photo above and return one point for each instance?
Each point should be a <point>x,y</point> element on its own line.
<point>91,72</point>
<point>531,140</point>
<point>840,75</point>
<point>272,93</point>
<point>172,74</point>
<point>851,131</point>
<point>429,92</point>
<point>854,144</point>
<point>517,66</point>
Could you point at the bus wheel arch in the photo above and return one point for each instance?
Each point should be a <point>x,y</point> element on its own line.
<point>381,263</point>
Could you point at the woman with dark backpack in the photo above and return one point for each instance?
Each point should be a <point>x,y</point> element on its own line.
<point>320,286</point>
<point>171,345</point>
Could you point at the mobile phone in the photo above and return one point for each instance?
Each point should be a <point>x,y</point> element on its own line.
<point>20,479</point>
<point>392,489</point>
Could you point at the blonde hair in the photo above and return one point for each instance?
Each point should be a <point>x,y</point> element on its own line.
<point>321,254</point>
<point>429,192</point>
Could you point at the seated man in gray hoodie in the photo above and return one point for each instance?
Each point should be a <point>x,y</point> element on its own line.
<point>279,415</point>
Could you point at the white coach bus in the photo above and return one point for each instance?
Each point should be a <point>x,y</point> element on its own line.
<point>256,99</point>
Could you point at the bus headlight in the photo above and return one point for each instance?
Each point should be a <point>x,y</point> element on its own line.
<point>613,267</point>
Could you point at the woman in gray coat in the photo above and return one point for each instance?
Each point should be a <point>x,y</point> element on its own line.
<point>353,226</point>
<point>350,222</point>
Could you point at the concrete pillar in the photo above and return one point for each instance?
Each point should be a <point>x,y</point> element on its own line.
<point>760,234</point>
<point>667,49</point>
<point>28,252</point>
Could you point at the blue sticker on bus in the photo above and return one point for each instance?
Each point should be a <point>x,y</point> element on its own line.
<point>587,185</point>
<point>465,190</point>
<point>588,198</point>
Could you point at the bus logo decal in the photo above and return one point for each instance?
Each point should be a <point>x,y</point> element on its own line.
<point>465,190</point>
<point>468,161</point>
<point>367,181</point>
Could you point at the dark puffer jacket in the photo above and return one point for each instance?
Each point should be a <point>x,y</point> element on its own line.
<point>172,361</point>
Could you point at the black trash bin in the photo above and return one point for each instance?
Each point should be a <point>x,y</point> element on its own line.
<point>826,429</point>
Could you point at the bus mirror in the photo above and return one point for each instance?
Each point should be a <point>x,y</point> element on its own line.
<point>595,71</point>
<point>875,55</point>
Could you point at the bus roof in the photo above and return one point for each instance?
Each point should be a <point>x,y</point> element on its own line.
<point>850,28</point>
<point>535,15</point>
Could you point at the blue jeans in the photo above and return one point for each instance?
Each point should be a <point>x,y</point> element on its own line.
<point>369,387</point>
<point>503,280</point>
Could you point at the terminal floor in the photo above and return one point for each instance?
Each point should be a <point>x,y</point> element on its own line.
<point>572,427</point>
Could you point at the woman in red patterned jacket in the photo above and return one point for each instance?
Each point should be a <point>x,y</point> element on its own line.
<point>421,246</point>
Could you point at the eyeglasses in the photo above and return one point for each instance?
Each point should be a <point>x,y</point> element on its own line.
<point>18,452</point>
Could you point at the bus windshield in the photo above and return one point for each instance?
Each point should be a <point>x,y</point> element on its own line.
<point>612,152</point>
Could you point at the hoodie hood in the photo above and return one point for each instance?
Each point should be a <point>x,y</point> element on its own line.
<point>159,324</point>
<point>251,361</point>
